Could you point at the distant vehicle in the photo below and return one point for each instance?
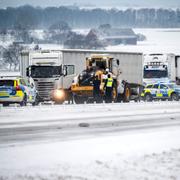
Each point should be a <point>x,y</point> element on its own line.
<point>161,68</point>
<point>17,90</point>
<point>161,91</point>
<point>175,87</point>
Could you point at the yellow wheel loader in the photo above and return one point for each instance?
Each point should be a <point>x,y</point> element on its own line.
<point>96,65</point>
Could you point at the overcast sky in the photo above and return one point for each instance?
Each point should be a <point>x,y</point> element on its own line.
<point>95,3</point>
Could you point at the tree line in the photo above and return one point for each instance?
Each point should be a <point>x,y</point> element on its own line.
<point>35,17</point>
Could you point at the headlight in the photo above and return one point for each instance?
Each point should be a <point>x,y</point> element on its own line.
<point>59,94</point>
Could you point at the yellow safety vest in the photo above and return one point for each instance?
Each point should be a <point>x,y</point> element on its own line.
<point>109,82</point>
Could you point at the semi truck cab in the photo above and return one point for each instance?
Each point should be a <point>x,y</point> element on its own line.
<point>154,71</point>
<point>47,71</point>
<point>158,68</point>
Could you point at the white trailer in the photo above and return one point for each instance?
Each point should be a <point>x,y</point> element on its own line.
<point>130,65</point>
<point>58,68</point>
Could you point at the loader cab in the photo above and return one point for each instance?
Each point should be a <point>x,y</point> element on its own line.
<point>99,62</point>
<point>95,65</point>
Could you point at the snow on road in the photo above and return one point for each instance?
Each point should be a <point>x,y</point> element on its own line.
<point>128,155</point>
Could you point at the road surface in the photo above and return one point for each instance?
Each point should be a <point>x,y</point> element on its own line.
<point>21,125</point>
<point>91,141</point>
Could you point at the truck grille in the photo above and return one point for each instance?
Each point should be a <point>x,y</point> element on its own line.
<point>44,89</point>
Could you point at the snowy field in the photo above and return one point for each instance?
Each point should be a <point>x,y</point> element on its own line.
<point>158,41</point>
<point>123,141</point>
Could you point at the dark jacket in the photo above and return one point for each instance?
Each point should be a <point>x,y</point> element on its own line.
<point>96,85</point>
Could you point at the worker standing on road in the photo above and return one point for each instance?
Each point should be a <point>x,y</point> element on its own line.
<point>105,75</point>
<point>108,89</point>
<point>96,89</point>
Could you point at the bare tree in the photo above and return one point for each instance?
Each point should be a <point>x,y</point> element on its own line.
<point>90,41</point>
<point>60,26</point>
<point>59,31</point>
<point>11,56</point>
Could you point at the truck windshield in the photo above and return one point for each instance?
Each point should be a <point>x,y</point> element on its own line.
<point>45,71</point>
<point>155,73</point>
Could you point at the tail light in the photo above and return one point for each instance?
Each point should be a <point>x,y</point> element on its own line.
<point>18,88</point>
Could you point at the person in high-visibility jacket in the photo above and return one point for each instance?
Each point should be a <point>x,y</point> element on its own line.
<point>108,89</point>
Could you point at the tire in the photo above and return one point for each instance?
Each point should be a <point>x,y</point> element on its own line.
<point>126,94</point>
<point>58,102</point>
<point>114,94</point>
<point>91,100</point>
<point>148,97</point>
<point>24,101</point>
<point>137,100</point>
<point>174,97</point>
<point>5,104</point>
<point>36,102</point>
<point>120,97</point>
<point>79,99</point>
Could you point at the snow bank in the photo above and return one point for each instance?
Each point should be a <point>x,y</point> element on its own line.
<point>129,155</point>
<point>145,155</point>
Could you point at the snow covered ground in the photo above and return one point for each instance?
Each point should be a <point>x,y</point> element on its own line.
<point>129,154</point>
<point>158,41</point>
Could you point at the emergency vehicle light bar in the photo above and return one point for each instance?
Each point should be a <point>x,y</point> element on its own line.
<point>155,63</point>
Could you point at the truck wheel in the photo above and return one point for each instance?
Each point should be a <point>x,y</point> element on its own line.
<point>148,98</point>
<point>120,97</point>
<point>79,99</point>
<point>58,102</point>
<point>36,102</point>
<point>127,94</point>
<point>114,94</point>
<point>24,101</point>
<point>5,104</point>
<point>174,97</point>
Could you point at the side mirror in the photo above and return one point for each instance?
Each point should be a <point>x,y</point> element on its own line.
<point>117,61</point>
<point>32,85</point>
<point>27,72</point>
<point>65,70</point>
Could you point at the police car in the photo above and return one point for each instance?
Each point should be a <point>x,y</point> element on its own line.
<point>161,91</point>
<point>17,90</point>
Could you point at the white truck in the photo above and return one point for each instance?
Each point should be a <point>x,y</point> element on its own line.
<point>54,70</point>
<point>177,67</point>
<point>161,68</point>
<point>48,70</point>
